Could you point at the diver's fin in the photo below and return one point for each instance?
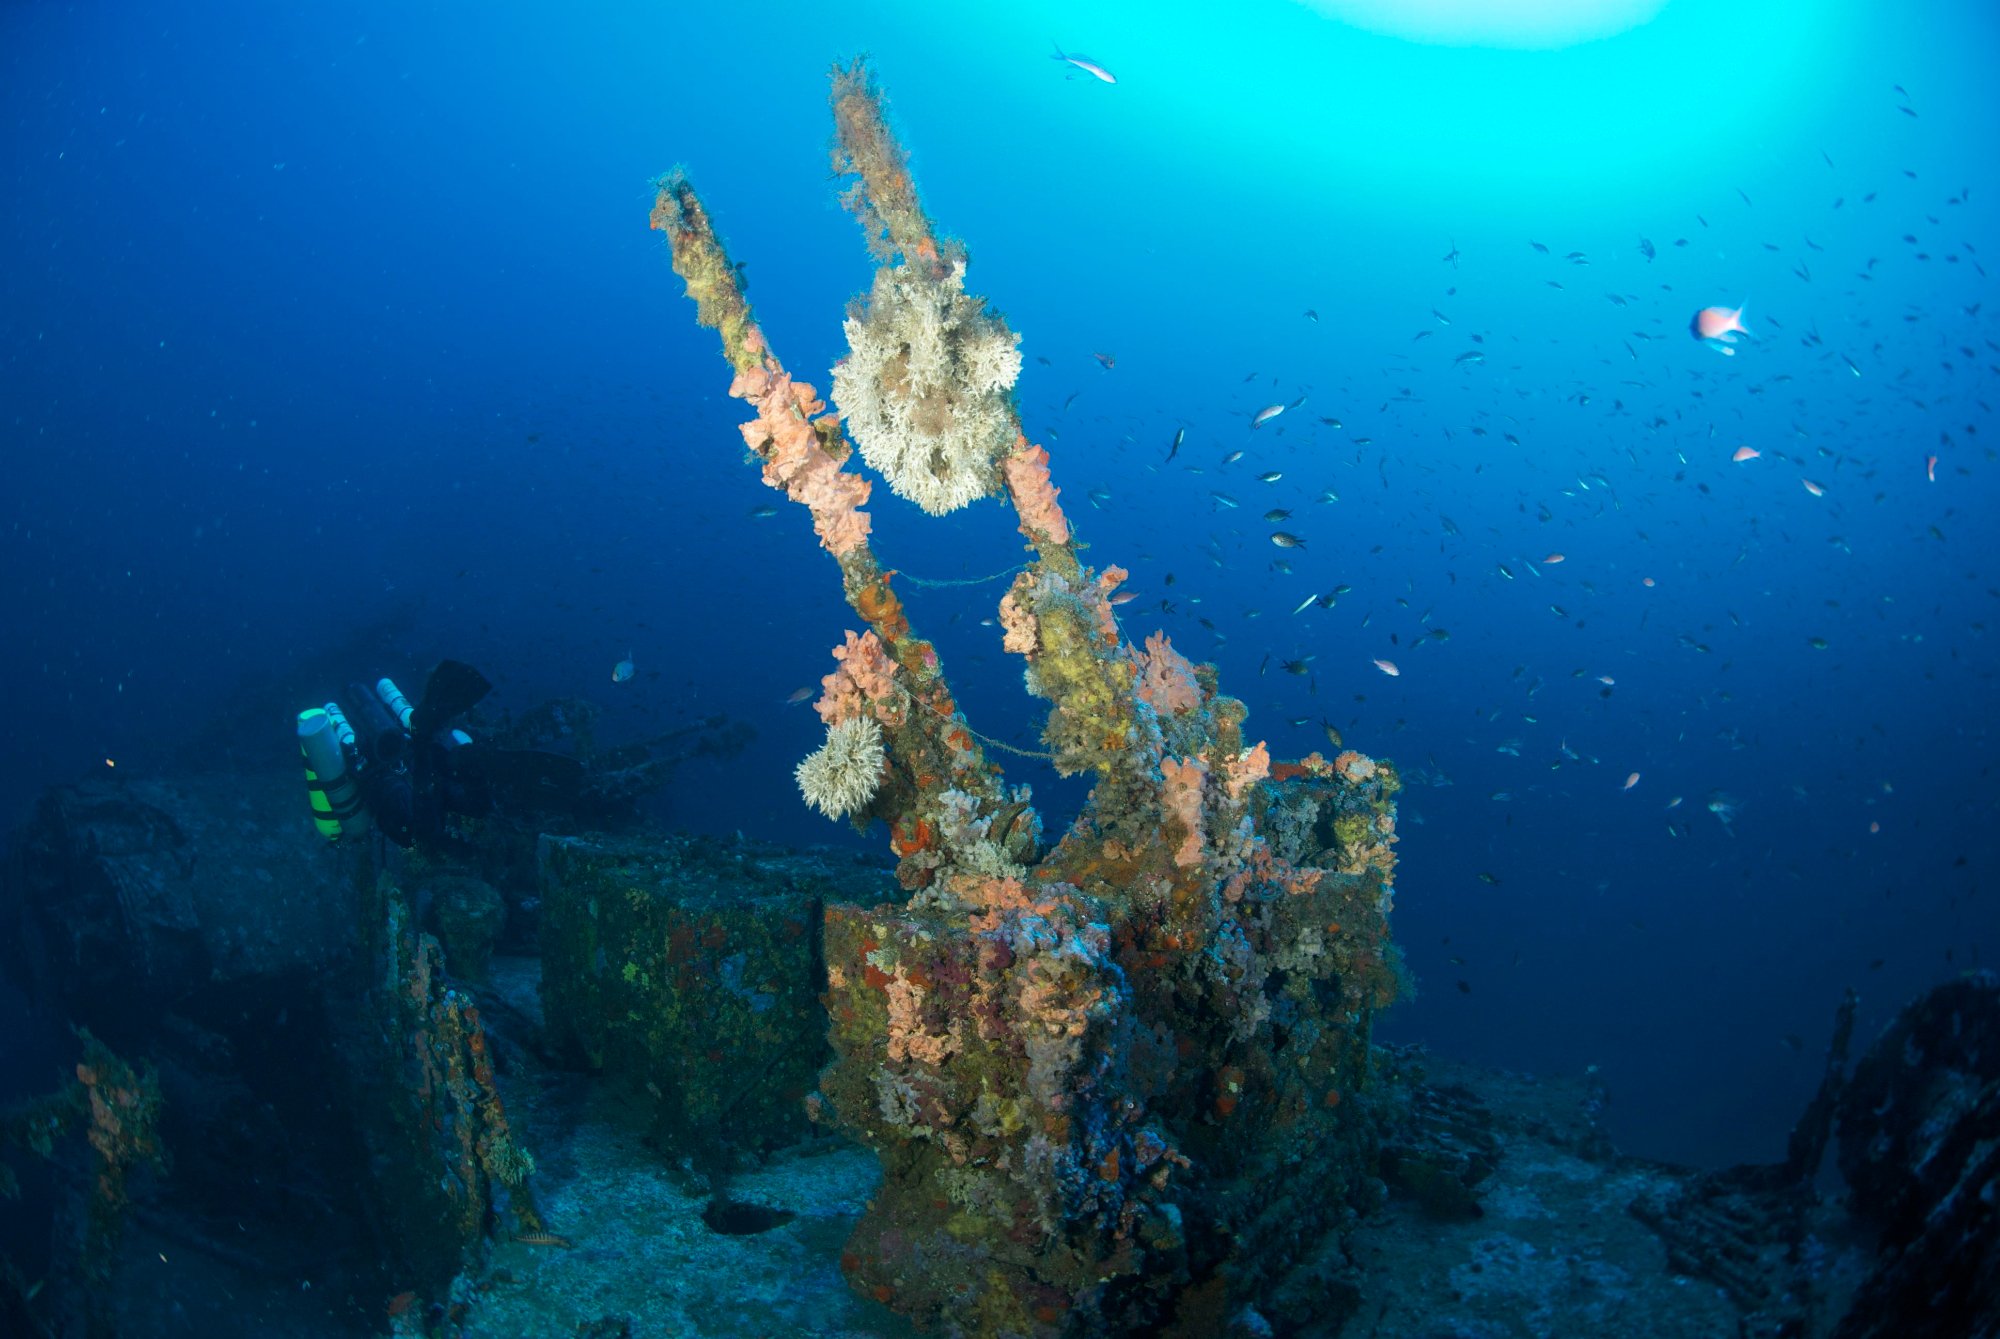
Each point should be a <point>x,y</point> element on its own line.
<point>454,688</point>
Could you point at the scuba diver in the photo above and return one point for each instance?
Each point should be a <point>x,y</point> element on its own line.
<point>374,761</point>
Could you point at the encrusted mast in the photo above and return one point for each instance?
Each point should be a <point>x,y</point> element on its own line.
<point>1105,1079</point>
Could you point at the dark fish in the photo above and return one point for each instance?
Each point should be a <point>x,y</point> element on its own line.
<point>1175,449</point>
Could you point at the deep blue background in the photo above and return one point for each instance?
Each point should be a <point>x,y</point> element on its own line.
<point>312,320</point>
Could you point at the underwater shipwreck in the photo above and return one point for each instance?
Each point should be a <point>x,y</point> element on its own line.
<point>581,1077</point>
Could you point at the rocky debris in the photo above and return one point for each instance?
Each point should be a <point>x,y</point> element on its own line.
<point>1439,1144</point>
<point>630,1248</point>
<point>1552,1252</point>
<point>204,926</point>
<point>1754,1240</point>
<point>206,893</point>
<point>445,1170</point>
<point>320,1097</point>
<point>1752,1228</point>
<point>467,915</point>
<point>1550,1249</point>
<point>1920,1145</point>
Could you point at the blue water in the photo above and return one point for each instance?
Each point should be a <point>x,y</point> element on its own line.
<point>315,319</point>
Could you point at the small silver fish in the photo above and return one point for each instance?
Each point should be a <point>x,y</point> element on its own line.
<point>1088,66</point>
<point>1266,414</point>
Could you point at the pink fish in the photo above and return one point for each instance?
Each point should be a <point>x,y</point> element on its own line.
<point>1388,667</point>
<point>1718,327</point>
<point>1930,468</point>
<point>1744,453</point>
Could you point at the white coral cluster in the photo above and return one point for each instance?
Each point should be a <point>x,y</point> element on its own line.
<point>842,776</point>
<point>925,387</point>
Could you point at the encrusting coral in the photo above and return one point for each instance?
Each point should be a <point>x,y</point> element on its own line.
<point>1097,1073</point>
<point>117,1108</point>
<point>796,459</point>
<point>463,1173</point>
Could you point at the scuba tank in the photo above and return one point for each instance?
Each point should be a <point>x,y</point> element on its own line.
<point>392,698</point>
<point>386,764</point>
<point>386,744</point>
<point>326,741</point>
<point>384,738</point>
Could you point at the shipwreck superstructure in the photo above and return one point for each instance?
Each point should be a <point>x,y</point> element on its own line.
<point>1112,1073</point>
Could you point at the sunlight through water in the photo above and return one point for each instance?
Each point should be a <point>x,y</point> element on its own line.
<point>1540,24</point>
